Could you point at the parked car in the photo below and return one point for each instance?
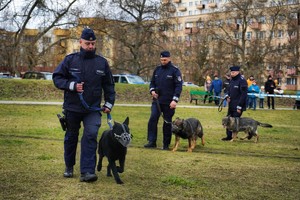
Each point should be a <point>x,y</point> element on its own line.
<point>128,78</point>
<point>38,75</point>
<point>189,84</point>
<point>5,75</point>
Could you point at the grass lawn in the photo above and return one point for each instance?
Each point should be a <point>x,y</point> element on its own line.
<point>31,159</point>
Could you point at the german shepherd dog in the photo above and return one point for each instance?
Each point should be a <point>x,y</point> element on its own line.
<point>113,144</point>
<point>190,129</point>
<point>248,125</point>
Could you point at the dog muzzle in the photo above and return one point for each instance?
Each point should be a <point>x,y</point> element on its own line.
<point>124,138</point>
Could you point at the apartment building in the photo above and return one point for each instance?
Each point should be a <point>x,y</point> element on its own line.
<point>258,34</point>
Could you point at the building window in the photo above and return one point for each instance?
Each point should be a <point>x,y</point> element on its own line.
<point>262,19</point>
<point>260,35</point>
<point>189,25</point>
<point>249,35</point>
<point>280,34</point>
<point>179,39</point>
<point>291,81</point>
<point>272,35</point>
<point>180,27</point>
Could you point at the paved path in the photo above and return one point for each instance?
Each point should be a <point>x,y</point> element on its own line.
<point>129,105</point>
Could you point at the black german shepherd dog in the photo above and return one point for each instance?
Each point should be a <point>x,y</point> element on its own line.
<point>113,144</point>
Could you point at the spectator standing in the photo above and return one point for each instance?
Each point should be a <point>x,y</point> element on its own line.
<point>253,90</point>
<point>207,85</point>
<point>226,83</point>
<point>83,76</point>
<point>216,87</point>
<point>165,89</point>
<point>249,83</point>
<point>237,95</point>
<point>269,88</point>
<point>261,96</point>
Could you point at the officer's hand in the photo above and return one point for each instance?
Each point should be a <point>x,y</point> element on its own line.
<point>173,104</point>
<point>228,100</point>
<point>154,95</point>
<point>79,87</point>
<point>238,110</point>
<point>106,110</point>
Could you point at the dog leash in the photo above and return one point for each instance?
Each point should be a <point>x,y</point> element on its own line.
<point>159,110</point>
<point>220,108</point>
<point>86,106</point>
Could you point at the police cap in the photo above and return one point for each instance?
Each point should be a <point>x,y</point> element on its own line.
<point>235,68</point>
<point>165,54</point>
<point>88,34</point>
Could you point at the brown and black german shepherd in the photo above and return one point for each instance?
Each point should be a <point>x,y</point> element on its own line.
<point>190,129</point>
<point>245,124</point>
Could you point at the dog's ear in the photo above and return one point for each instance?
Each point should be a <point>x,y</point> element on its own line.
<point>126,121</point>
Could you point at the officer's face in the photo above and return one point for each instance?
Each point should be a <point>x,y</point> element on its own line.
<point>165,60</point>
<point>234,73</point>
<point>88,45</point>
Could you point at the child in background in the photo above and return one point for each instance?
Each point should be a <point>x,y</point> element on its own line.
<point>261,97</point>
<point>252,90</point>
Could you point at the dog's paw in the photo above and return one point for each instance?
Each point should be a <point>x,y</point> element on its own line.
<point>119,169</point>
<point>119,181</point>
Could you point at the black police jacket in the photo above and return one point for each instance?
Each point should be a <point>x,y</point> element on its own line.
<point>237,92</point>
<point>91,69</point>
<point>167,82</point>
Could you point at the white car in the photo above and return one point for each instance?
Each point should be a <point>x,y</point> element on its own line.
<point>189,84</point>
<point>128,78</point>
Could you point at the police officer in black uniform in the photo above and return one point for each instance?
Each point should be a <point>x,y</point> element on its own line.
<point>165,89</point>
<point>237,96</point>
<point>83,76</point>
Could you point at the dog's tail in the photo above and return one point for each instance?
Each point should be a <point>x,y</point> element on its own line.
<point>265,125</point>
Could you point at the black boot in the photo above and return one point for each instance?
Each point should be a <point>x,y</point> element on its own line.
<point>88,177</point>
<point>150,145</point>
<point>68,172</point>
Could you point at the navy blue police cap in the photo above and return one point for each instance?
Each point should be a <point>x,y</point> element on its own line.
<point>235,68</point>
<point>165,54</point>
<point>88,34</point>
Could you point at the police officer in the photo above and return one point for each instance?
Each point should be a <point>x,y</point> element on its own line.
<point>83,76</point>
<point>237,96</point>
<point>165,89</point>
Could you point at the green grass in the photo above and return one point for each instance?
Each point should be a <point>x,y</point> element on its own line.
<point>31,159</point>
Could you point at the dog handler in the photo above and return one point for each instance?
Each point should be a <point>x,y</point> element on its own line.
<point>83,76</point>
<point>237,96</point>
<point>165,89</point>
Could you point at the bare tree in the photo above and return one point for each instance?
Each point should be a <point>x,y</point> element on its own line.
<point>133,26</point>
<point>44,15</point>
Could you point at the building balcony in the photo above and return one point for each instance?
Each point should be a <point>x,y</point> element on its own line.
<point>255,25</point>
<point>291,87</point>
<point>291,71</point>
<point>61,32</point>
<point>188,30</point>
<point>234,26</point>
<point>182,8</point>
<point>176,1</point>
<point>200,7</point>
<point>212,5</point>
<point>164,2</point>
<point>172,9</point>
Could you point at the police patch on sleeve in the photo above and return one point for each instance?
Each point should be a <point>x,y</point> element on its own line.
<point>179,78</point>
